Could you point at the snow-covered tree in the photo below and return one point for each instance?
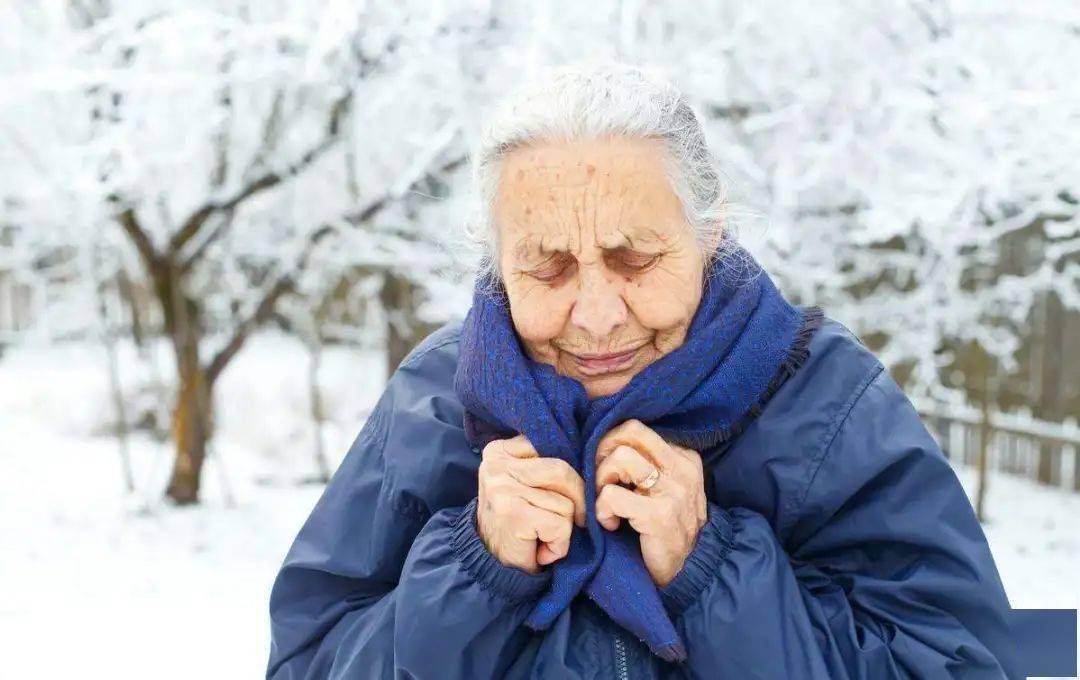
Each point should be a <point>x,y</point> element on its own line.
<point>235,146</point>
<point>911,166</point>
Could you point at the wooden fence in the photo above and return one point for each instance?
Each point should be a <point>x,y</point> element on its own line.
<point>1019,444</point>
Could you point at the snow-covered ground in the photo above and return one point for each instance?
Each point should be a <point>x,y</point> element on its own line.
<point>1034,533</point>
<point>99,583</point>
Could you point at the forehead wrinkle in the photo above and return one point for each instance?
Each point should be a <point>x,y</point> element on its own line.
<point>595,203</point>
<point>550,194</point>
<point>581,216</point>
<point>561,221</point>
<point>542,241</point>
<point>596,212</point>
<point>612,236</point>
<point>521,248</point>
<point>622,208</point>
<point>528,244</point>
<point>532,243</point>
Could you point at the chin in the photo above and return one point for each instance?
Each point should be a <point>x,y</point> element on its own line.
<point>597,387</point>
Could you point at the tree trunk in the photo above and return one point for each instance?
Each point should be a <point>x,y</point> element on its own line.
<point>116,388</point>
<point>191,417</point>
<point>191,428</point>
<point>1051,399</point>
<point>400,298</point>
<point>322,467</point>
<point>1076,467</point>
<point>984,447</point>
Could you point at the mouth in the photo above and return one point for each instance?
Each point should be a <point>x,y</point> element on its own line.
<point>599,364</point>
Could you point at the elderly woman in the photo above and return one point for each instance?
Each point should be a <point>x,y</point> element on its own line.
<point>633,458</point>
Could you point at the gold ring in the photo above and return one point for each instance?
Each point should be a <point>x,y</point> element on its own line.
<point>649,481</point>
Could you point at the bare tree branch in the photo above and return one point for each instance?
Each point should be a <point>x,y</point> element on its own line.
<point>262,312</point>
<point>138,236</point>
<point>198,219</point>
<point>223,225</point>
<point>375,207</point>
<point>285,282</point>
<point>271,133</point>
<point>830,211</point>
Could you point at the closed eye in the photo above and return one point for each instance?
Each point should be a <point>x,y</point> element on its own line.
<point>625,260</point>
<point>553,269</point>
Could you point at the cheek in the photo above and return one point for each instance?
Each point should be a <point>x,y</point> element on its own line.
<point>539,313</point>
<point>662,304</point>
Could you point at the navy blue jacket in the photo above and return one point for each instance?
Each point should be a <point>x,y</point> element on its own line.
<point>839,544</point>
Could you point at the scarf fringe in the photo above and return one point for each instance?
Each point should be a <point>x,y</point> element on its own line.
<point>797,354</point>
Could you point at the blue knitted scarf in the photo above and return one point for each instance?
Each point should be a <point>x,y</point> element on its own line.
<point>743,341</point>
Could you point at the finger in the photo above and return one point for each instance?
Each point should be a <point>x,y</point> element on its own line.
<point>552,531</point>
<point>615,501</point>
<point>625,465</point>
<point>639,436</point>
<point>689,454</point>
<point>515,447</point>
<point>553,474</point>
<point>547,500</point>
<point>545,555</point>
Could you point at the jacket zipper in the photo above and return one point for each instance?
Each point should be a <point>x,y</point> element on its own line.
<point>622,669</point>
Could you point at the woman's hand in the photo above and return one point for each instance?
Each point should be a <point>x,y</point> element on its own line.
<point>525,499</point>
<point>669,513</point>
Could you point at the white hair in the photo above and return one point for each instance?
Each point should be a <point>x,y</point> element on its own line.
<point>589,100</point>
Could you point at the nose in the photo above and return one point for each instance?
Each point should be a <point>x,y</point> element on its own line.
<point>599,308</point>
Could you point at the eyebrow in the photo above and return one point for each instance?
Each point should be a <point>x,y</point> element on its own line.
<point>534,243</point>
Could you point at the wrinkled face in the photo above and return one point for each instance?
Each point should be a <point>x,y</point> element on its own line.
<point>602,271</point>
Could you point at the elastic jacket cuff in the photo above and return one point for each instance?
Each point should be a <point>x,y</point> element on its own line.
<point>702,564</point>
<point>509,583</point>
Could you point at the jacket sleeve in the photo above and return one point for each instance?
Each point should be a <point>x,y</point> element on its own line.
<point>377,586</point>
<point>890,575</point>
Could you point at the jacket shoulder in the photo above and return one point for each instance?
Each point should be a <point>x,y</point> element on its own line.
<point>423,383</point>
<point>429,463</point>
<point>819,395</point>
<point>836,348</point>
<point>837,372</point>
<point>870,432</point>
<point>443,342</point>
<point>768,467</point>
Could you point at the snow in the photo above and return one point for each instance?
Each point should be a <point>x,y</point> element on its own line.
<point>900,150</point>
<point>896,149</point>
<point>102,582</point>
<point>1033,533</point>
<point>98,581</point>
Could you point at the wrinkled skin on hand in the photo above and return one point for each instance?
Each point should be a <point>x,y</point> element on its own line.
<point>527,505</point>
